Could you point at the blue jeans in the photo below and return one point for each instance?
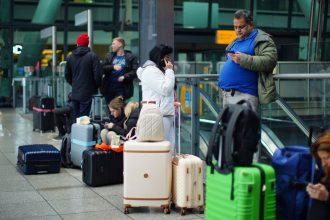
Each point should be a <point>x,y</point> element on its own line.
<point>81,108</point>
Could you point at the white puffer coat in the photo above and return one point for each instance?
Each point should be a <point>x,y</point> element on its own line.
<point>157,86</point>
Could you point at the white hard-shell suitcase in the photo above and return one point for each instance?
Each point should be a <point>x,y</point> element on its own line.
<point>187,180</point>
<point>147,174</point>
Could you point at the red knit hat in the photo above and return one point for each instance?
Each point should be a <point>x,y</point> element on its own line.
<point>83,40</point>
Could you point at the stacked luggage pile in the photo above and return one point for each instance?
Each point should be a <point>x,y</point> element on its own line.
<point>99,167</point>
<point>237,187</point>
<point>147,163</point>
<point>152,177</point>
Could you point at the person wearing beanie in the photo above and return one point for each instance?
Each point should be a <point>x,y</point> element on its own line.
<point>83,40</point>
<point>83,73</point>
<point>119,71</point>
<point>117,118</point>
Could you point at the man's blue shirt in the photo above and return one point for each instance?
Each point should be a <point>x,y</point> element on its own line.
<point>118,60</point>
<point>232,76</point>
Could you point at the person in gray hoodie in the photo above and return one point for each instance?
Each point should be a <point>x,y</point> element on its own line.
<point>83,73</point>
<point>157,80</point>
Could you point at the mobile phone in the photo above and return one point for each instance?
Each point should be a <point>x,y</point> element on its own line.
<point>230,51</point>
<point>162,62</point>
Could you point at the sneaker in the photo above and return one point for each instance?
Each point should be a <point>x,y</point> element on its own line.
<point>57,138</point>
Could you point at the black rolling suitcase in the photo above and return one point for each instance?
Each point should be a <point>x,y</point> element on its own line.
<point>101,167</point>
<point>38,158</point>
<point>43,114</point>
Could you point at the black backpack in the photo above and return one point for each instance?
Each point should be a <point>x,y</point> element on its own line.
<point>66,151</point>
<point>235,135</point>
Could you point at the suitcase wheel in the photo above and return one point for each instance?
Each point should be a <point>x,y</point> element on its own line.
<point>201,210</point>
<point>182,211</point>
<point>166,210</point>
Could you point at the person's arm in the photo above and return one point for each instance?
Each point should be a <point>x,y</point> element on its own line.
<point>133,65</point>
<point>96,69</point>
<point>159,82</point>
<point>118,130</point>
<point>107,64</point>
<point>264,61</point>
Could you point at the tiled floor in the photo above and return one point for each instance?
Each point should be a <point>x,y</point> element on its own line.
<point>56,196</point>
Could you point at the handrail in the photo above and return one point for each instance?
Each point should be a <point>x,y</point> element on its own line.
<point>201,76</point>
<point>276,76</point>
<point>294,117</point>
<point>302,76</point>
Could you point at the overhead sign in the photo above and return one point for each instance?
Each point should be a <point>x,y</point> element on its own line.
<point>46,32</point>
<point>224,36</point>
<point>80,18</point>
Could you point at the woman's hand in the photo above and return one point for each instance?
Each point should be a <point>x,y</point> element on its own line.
<point>177,104</point>
<point>108,125</point>
<point>168,65</point>
<point>317,191</point>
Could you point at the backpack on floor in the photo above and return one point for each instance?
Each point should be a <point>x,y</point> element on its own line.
<point>66,151</point>
<point>236,133</point>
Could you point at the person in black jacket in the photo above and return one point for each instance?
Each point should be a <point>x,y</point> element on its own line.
<point>117,118</point>
<point>83,73</point>
<point>119,71</point>
<point>319,192</point>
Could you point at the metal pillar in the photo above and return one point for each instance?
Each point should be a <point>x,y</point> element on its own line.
<point>319,31</point>
<point>195,93</point>
<point>90,28</point>
<point>156,25</point>
<point>311,31</point>
<point>54,62</point>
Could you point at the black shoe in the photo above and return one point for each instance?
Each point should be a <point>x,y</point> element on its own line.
<point>57,138</point>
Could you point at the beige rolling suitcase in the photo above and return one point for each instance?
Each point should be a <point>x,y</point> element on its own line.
<point>187,185</point>
<point>147,174</point>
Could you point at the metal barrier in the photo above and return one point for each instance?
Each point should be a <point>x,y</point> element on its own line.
<point>193,67</point>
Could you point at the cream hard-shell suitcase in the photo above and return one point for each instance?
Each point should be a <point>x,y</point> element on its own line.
<point>147,174</point>
<point>187,188</point>
<point>187,180</point>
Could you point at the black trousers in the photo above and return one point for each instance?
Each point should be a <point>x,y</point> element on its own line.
<point>63,120</point>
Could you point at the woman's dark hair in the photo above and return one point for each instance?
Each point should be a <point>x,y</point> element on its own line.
<point>244,14</point>
<point>158,53</point>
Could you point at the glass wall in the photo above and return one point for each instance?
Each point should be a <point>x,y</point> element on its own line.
<point>286,20</point>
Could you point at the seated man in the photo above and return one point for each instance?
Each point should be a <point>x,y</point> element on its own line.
<point>64,119</point>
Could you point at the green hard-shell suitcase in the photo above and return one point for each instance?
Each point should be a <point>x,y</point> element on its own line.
<point>237,190</point>
<point>249,194</point>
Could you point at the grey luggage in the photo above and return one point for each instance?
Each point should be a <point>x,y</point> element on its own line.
<point>83,137</point>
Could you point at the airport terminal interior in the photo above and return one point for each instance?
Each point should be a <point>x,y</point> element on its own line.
<point>36,36</point>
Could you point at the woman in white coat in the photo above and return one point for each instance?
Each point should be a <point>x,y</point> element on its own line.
<point>157,79</point>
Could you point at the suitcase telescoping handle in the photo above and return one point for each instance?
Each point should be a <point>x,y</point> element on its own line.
<point>179,128</point>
